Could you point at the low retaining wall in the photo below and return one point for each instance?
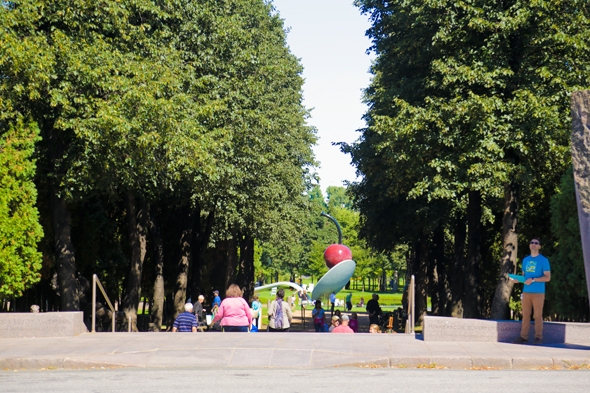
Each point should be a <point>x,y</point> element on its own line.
<point>47,324</point>
<point>471,330</point>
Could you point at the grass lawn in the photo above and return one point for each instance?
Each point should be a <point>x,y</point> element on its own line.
<point>387,300</point>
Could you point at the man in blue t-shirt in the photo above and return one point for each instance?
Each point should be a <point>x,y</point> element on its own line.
<point>216,299</point>
<point>536,272</point>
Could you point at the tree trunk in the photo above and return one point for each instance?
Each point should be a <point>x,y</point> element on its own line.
<point>213,268</point>
<point>137,226</point>
<point>472,294</point>
<point>157,310</point>
<point>64,252</point>
<point>186,239</point>
<point>246,267</point>
<point>501,302</point>
<point>441,267</point>
<point>457,281</point>
<point>438,272</point>
<point>433,281</point>
<point>231,260</point>
<point>421,279</point>
<point>202,234</point>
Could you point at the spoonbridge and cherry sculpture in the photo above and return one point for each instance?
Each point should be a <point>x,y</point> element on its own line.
<point>338,259</point>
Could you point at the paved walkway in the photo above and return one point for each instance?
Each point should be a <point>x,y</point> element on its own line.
<point>265,350</point>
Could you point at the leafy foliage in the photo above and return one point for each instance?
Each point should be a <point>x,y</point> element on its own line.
<point>568,294</point>
<point>467,97</point>
<point>307,257</point>
<point>183,104</point>
<point>20,231</point>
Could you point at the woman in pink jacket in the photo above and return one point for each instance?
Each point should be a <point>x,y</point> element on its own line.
<point>234,312</point>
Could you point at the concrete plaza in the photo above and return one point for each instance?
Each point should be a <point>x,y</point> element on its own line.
<point>211,350</point>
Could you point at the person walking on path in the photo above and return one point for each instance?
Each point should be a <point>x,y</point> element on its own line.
<point>349,302</point>
<point>332,302</point>
<point>186,321</point>
<point>537,272</point>
<point>198,309</point>
<point>234,312</point>
<point>319,316</point>
<point>279,314</point>
<point>216,299</point>
<point>374,309</point>
<point>256,310</point>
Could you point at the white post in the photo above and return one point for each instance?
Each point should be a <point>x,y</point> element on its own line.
<point>413,322</point>
<point>411,306</point>
<point>94,303</point>
<point>115,313</point>
<point>267,309</point>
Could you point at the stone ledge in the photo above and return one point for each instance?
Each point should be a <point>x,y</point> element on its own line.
<point>479,330</point>
<point>48,324</point>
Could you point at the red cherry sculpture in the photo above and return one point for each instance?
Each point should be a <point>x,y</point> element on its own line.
<point>335,254</point>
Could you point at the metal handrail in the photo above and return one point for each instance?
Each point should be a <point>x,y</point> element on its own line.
<point>95,281</point>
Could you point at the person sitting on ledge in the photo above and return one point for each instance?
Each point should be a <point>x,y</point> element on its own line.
<point>335,323</point>
<point>343,327</point>
<point>354,323</point>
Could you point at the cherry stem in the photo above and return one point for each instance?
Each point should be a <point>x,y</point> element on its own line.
<point>337,226</point>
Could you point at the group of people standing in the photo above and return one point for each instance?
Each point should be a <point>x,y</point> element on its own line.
<point>234,314</point>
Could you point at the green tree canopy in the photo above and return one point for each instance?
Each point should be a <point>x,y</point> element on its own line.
<point>20,231</point>
<point>469,105</point>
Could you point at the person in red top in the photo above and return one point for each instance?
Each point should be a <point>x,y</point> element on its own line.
<point>343,327</point>
<point>234,311</point>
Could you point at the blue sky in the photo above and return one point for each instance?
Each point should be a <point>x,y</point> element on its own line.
<point>329,38</point>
